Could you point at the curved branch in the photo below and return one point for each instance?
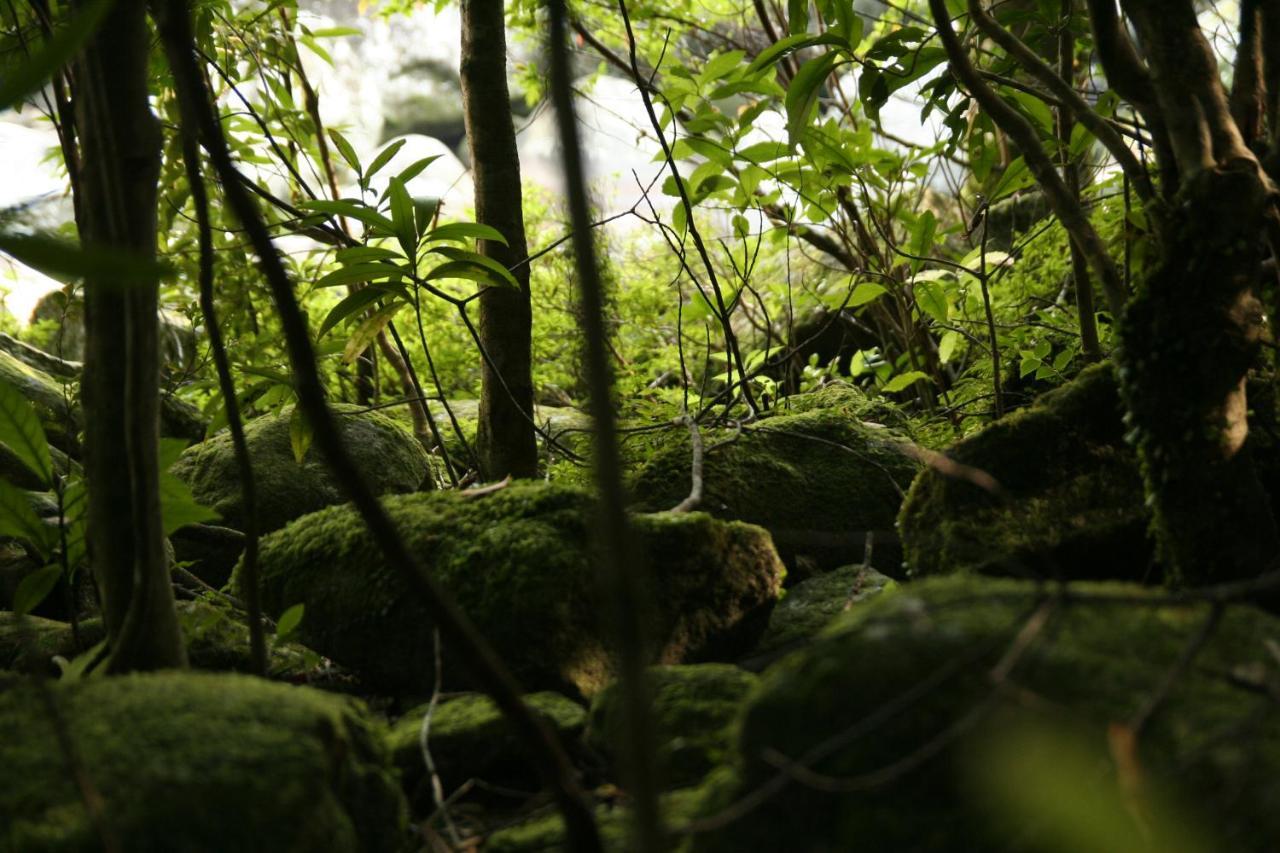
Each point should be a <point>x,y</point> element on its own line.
<point>1063,204</point>
<point>1066,93</point>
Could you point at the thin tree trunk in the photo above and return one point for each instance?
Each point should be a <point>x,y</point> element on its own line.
<point>505,435</point>
<point>119,168</point>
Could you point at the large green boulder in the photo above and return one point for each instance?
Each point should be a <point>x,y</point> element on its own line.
<point>192,762</point>
<point>818,479</point>
<point>808,606</point>
<point>469,738</point>
<point>893,730</point>
<point>518,561</point>
<point>388,455</point>
<point>691,709</point>
<point>1070,499</point>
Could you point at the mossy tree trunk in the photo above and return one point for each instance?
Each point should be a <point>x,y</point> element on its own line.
<point>119,167</point>
<point>505,436</point>
<point>1190,335</point>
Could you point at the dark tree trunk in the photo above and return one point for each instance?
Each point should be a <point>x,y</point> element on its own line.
<point>119,167</point>
<point>1190,336</point>
<point>505,436</point>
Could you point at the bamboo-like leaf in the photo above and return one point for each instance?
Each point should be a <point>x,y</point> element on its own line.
<point>35,588</point>
<point>346,150</point>
<point>22,432</point>
<point>300,434</point>
<point>467,256</point>
<point>383,158</point>
<point>461,232</point>
<point>402,217</point>
<point>26,77</point>
<point>65,260</point>
<point>358,274</point>
<point>19,520</point>
<point>367,331</point>
<point>356,210</point>
<point>467,271</point>
<point>353,304</point>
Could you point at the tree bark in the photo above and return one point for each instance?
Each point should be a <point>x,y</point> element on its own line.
<point>119,168</point>
<point>505,435</point>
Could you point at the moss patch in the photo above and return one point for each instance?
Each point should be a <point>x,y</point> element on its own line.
<point>886,680</point>
<point>195,762</point>
<point>544,832</point>
<point>518,562</point>
<point>809,605</point>
<point>390,457</point>
<point>691,706</point>
<point>1072,504</point>
<point>469,738</point>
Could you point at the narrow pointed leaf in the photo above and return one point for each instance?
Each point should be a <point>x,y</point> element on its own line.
<point>22,432</point>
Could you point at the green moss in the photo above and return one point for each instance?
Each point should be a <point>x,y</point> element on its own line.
<point>390,457</point>
<point>691,706</point>
<point>518,563</point>
<point>194,762</point>
<point>469,738</point>
<point>810,605</point>
<point>1072,505</point>
<point>29,645</point>
<point>817,479</point>
<point>54,403</point>
<point>544,832</point>
<point>887,679</point>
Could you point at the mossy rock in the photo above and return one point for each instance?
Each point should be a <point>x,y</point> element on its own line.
<point>186,761</point>
<point>818,480</point>
<point>692,707</point>
<point>217,640</point>
<point>808,606</point>
<point>470,739</point>
<point>896,707</point>
<point>543,832</point>
<point>1071,507</point>
<point>848,400</point>
<point>55,404</point>
<point>518,563</point>
<point>388,455</point>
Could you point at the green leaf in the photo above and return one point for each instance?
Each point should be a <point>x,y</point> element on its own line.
<point>903,381</point>
<point>360,254</point>
<point>353,304</point>
<point>346,150</point>
<point>22,432</point>
<point>35,588</point>
<point>780,48</point>
<point>468,272</point>
<point>467,256</point>
<point>289,621</point>
<point>461,232</point>
<point>865,292</point>
<point>333,32</point>
<point>26,77</point>
<point>178,507</point>
<point>721,65</point>
<point>300,434</point>
<point>797,16</point>
<point>359,274</point>
<point>65,260</point>
<point>408,173</point>
<point>947,346</point>
<point>424,211</point>
<point>351,209</point>
<point>367,332</point>
<point>383,158</point>
<point>802,95</point>
<point>931,297</point>
<point>402,217</point>
<point>19,520</point>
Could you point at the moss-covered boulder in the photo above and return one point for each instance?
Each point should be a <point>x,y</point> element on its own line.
<point>217,640</point>
<point>692,707</point>
<point>817,479</point>
<point>808,606</point>
<point>1071,503</point>
<point>518,562</point>
<point>391,459</point>
<point>54,402</point>
<point>470,739</point>
<point>543,830</point>
<point>892,714</point>
<point>193,762</point>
